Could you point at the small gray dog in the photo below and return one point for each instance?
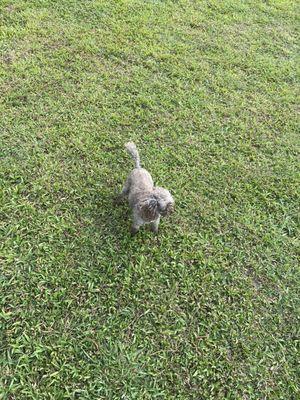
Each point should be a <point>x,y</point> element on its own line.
<point>147,202</point>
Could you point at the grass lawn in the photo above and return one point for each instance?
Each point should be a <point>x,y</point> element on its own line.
<point>210,308</point>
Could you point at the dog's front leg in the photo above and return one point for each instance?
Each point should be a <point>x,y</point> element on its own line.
<point>137,223</point>
<point>154,225</point>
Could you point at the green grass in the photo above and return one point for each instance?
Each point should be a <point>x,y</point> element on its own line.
<point>208,91</point>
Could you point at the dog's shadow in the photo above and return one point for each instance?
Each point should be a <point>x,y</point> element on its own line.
<point>110,217</point>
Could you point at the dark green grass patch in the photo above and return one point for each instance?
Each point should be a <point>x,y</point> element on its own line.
<point>207,310</point>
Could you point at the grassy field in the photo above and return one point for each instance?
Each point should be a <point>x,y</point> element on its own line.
<point>210,308</point>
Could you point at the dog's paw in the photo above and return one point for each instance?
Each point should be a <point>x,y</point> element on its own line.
<point>154,230</point>
<point>134,230</point>
<point>118,200</point>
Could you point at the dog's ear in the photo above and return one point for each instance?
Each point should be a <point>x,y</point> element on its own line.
<point>170,208</point>
<point>148,209</point>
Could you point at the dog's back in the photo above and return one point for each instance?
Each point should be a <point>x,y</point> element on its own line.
<point>140,180</point>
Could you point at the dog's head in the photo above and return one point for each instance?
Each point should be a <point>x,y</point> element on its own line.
<point>165,201</point>
<point>148,208</point>
<point>158,203</point>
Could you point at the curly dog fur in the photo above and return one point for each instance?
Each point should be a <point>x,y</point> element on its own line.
<point>148,202</point>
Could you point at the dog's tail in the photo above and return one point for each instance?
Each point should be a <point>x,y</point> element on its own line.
<point>133,151</point>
